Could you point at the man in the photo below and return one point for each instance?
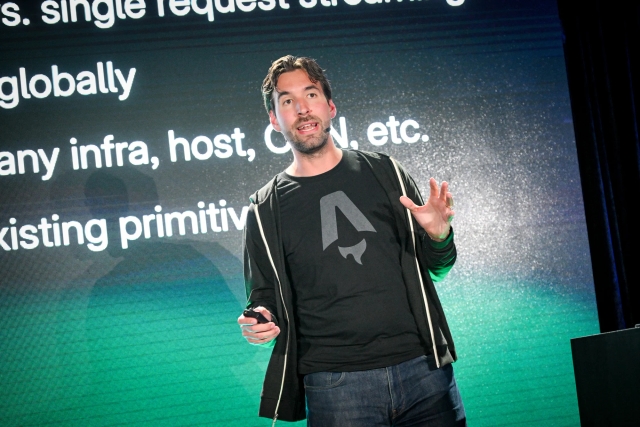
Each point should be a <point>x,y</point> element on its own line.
<point>341,263</point>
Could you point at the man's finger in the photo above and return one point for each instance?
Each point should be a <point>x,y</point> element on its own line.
<point>262,336</point>
<point>408,203</point>
<point>433,187</point>
<point>444,188</point>
<point>266,313</point>
<point>259,327</point>
<point>246,321</point>
<point>449,201</point>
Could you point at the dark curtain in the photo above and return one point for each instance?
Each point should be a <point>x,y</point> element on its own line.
<point>603,67</point>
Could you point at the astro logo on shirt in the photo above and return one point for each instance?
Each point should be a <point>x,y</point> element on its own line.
<point>328,205</point>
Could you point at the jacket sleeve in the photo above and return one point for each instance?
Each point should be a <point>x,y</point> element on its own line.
<point>437,257</point>
<point>259,277</point>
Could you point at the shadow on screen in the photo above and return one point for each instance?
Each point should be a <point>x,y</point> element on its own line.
<point>160,325</point>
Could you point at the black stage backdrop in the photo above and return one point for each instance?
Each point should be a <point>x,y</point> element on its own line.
<point>603,64</point>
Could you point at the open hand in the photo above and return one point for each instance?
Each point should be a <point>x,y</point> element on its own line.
<point>436,215</point>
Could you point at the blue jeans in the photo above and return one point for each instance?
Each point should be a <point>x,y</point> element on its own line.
<point>413,393</point>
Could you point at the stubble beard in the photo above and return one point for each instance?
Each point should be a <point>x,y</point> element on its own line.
<point>309,146</point>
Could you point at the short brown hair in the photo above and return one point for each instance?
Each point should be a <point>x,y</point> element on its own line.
<point>291,63</point>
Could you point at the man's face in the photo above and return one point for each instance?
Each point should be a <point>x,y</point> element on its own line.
<point>301,112</point>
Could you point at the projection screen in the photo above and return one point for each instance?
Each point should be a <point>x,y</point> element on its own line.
<point>132,133</point>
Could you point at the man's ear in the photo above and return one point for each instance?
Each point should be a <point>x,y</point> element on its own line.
<point>274,121</point>
<point>332,109</point>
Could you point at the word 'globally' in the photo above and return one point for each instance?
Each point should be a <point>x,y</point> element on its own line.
<point>103,80</point>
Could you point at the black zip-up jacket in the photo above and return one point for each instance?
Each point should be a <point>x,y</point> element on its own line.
<point>423,262</point>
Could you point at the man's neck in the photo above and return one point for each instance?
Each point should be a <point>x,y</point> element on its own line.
<point>317,163</point>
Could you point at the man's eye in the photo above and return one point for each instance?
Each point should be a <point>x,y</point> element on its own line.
<point>286,102</point>
<point>312,95</point>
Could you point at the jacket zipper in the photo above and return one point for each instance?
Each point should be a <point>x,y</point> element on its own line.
<point>415,250</point>
<point>286,313</point>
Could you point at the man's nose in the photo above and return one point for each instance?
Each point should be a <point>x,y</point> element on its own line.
<point>303,108</point>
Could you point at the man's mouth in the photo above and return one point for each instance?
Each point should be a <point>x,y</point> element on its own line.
<point>307,127</point>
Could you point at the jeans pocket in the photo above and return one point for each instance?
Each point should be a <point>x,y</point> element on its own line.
<point>323,380</point>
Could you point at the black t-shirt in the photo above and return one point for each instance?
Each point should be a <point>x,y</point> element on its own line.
<point>343,260</point>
